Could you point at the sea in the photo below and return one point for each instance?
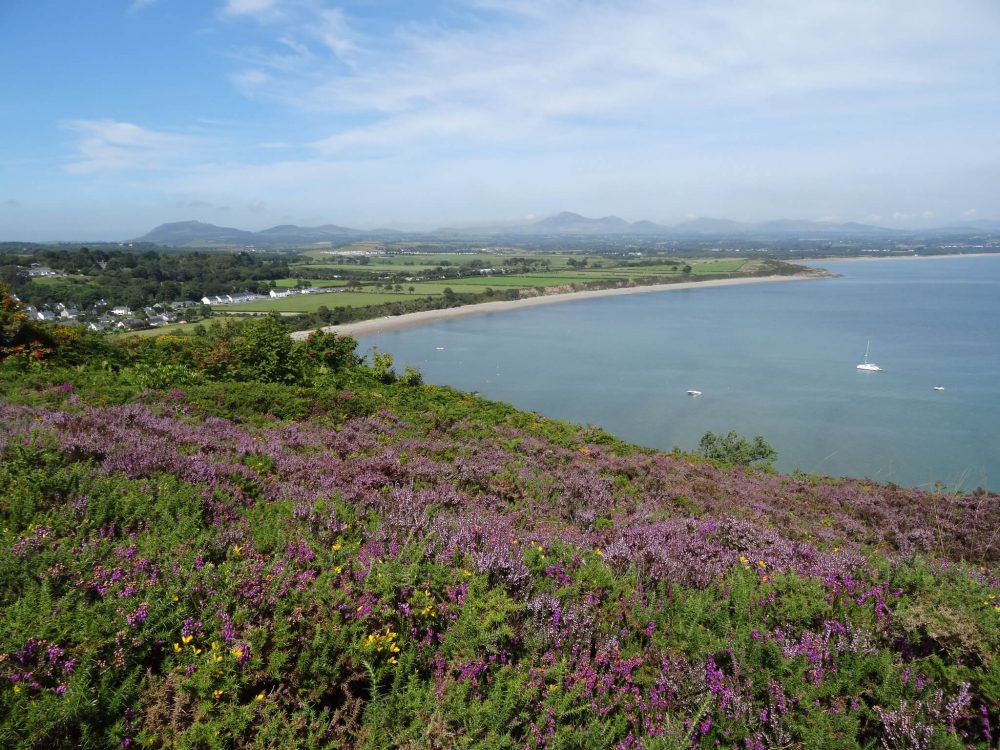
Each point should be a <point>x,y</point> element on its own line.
<point>777,360</point>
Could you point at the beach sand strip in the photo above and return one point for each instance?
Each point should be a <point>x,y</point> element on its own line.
<point>363,328</point>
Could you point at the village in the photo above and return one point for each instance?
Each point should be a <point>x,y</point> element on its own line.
<point>102,316</point>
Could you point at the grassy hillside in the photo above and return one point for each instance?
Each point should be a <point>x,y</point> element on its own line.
<point>240,541</point>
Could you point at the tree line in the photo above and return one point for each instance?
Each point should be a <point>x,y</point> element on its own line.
<point>136,278</point>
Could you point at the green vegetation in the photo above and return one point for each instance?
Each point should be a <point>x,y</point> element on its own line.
<point>398,294</point>
<point>136,279</point>
<point>233,539</point>
<point>361,281</point>
<point>733,450</point>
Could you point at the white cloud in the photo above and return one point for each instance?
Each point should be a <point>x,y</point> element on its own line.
<point>646,108</point>
<point>542,67</point>
<point>336,33</point>
<point>248,7</point>
<point>438,125</point>
<point>107,145</point>
<point>251,80</point>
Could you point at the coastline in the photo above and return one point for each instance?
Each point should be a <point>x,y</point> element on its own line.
<point>936,256</point>
<point>363,328</point>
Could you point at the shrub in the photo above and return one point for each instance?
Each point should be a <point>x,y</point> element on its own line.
<point>733,450</point>
<point>332,351</point>
<point>20,339</point>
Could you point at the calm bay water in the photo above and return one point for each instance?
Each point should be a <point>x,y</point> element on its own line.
<point>773,359</point>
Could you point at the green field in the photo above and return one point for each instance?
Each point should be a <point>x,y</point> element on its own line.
<point>369,295</point>
<point>290,282</point>
<point>312,302</point>
<point>426,261</point>
<point>369,268</point>
<point>173,328</point>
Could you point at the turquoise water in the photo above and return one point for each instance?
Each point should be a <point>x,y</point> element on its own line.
<point>772,359</point>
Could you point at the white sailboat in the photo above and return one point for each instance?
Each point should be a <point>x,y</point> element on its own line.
<point>866,365</point>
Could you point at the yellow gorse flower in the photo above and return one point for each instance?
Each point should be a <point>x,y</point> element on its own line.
<point>186,639</point>
<point>380,642</point>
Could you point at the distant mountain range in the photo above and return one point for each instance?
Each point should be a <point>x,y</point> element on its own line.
<point>198,233</point>
<point>566,223</point>
<point>570,223</point>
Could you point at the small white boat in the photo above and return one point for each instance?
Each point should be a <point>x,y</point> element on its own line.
<point>439,348</point>
<point>939,388</point>
<point>866,365</point>
<point>694,393</point>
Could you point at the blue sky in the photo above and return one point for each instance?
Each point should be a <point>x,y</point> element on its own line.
<point>116,116</point>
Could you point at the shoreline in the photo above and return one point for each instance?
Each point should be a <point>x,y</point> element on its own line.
<point>363,328</point>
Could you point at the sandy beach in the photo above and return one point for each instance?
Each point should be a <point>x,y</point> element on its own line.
<point>363,328</point>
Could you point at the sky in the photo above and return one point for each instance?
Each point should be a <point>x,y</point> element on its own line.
<point>119,115</point>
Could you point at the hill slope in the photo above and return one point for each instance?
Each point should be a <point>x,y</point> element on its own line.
<point>187,232</point>
<point>192,556</point>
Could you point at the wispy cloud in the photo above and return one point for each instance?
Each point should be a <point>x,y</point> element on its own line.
<point>335,32</point>
<point>646,108</point>
<point>537,66</point>
<point>138,5</point>
<point>110,145</point>
<point>249,7</point>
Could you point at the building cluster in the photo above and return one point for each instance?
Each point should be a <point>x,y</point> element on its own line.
<point>231,299</point>
<point>282,293</point>
<point>242,297</point>
<point>102,317</point>
<point>38,271</point>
